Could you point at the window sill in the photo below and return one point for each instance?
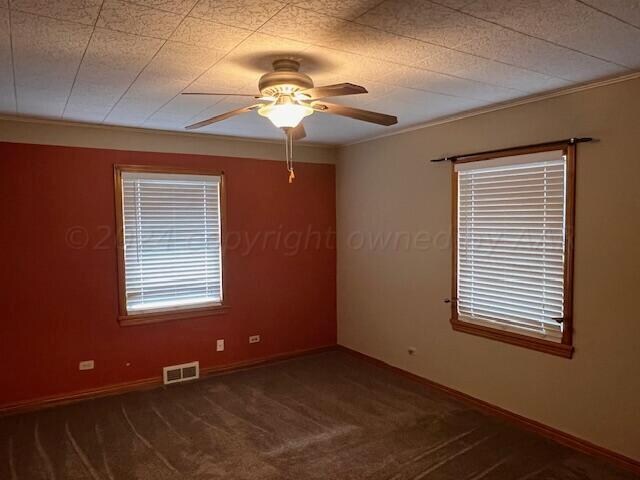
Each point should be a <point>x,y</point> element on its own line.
<point>559,349</point>
<point>169,315</point>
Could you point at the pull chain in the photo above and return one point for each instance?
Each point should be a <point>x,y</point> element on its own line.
<point>289,153</point>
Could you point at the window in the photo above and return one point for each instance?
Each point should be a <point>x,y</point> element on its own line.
<point>513,247</point>
<point>170,249</point>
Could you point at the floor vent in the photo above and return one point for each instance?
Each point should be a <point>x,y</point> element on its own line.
<point>181,373</point>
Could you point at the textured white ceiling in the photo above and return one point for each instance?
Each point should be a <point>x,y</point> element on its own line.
<point>126,62</point>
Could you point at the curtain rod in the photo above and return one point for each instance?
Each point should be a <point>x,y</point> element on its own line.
<point>570,141</point>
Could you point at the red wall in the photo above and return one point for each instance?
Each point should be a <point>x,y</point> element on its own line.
<point>58,282</point>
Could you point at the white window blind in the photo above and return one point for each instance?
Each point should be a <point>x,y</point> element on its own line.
<point>172,252</point>
<point>511,243</point>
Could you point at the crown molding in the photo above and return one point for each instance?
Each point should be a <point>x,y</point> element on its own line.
<point>504,105</point>
<point>438,121</point>
<point>153,131</point>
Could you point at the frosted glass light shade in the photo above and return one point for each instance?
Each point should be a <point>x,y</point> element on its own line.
<point>285,114</point>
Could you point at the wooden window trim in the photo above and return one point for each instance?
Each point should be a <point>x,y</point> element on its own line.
<point>128,319</point>
<point>565,348</point>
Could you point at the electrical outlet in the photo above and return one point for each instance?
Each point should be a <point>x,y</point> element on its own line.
<point>220,345</point>
<point>411,350</point>
<point>86,365</point>
<point>254,338</point>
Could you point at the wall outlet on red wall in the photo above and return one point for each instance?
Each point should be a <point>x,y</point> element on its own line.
<point>86,365</point>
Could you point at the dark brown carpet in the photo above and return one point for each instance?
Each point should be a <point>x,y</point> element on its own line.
<point>325,416</point>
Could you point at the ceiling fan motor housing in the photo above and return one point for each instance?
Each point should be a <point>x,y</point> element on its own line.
<point>284,80</point>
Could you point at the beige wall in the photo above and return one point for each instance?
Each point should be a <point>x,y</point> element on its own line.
<point>20,130</point>
<point>390,298</point>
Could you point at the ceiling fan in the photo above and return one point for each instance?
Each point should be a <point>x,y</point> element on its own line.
<point>288,95</point>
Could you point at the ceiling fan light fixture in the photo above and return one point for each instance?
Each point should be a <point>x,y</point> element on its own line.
<point>286,112</point>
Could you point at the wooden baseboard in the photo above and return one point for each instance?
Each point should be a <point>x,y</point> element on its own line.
<point>155,382</point>
<point>559,436</point>
<point>234,367</point>
<point>147,383</point>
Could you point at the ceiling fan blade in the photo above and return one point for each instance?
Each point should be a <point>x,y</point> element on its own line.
<point>222,116</point>
<point>299,132</point>
<point>364,115</point>
<point>336,90</point>
<point>254,95</point>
